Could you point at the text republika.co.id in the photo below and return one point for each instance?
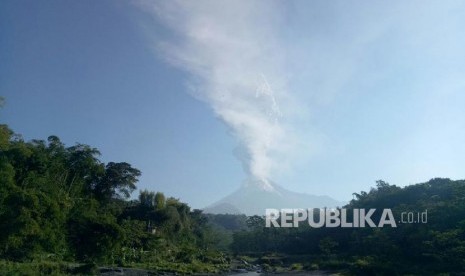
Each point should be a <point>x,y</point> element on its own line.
<point>345,218</point>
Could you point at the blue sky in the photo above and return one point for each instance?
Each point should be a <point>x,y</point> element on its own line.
<point>185,92</point>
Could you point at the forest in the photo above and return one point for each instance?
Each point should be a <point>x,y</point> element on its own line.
<point>64,211</point>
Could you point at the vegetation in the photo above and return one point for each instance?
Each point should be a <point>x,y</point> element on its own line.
<point>62,204</point>
<point>63,211</point>
<point>432,247</point>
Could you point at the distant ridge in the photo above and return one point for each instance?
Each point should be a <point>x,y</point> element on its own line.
<point>251,199</point>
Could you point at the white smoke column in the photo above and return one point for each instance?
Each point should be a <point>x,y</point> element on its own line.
<point>230,50</point>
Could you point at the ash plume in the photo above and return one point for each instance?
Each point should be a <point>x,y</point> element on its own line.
<point>236,66</point>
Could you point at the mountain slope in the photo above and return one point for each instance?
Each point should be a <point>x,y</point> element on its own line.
<point>251,199</point>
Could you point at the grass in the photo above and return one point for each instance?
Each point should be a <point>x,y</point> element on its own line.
<point>35,268</point>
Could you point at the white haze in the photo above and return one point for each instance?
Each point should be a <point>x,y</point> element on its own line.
<point>346,92</point>
<point>237,67</point>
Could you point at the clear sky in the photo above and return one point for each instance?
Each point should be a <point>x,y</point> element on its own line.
<point>322,97</point>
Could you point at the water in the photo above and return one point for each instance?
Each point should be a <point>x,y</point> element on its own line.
<point>310,273</point>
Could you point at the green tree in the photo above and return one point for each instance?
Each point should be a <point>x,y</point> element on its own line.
<point>118,181</point>
<point>160,201</point>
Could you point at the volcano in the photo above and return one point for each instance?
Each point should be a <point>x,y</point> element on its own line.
<point>254,196</point>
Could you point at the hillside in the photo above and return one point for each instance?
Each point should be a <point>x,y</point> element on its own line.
<point>250,199</point>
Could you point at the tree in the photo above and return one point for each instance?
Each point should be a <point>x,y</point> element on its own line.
<point>327,245</point>
<point>94,237</point>
<point>5,135</point>
<point>160,201</point>
<point>119,181</point>
<point>147,199</point>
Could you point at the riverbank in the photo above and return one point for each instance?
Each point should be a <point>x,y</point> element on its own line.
<point>64,268</point>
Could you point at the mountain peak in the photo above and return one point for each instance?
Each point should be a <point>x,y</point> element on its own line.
<point>262,184</point>
<point>252,198</point>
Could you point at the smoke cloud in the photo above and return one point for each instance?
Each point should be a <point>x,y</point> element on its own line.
<point>230,50</point>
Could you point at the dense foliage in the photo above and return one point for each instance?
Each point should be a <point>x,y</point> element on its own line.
<point>63,204</point>
<point>429,248</point>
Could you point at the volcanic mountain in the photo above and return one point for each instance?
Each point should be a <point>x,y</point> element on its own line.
<point>254,196</point>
